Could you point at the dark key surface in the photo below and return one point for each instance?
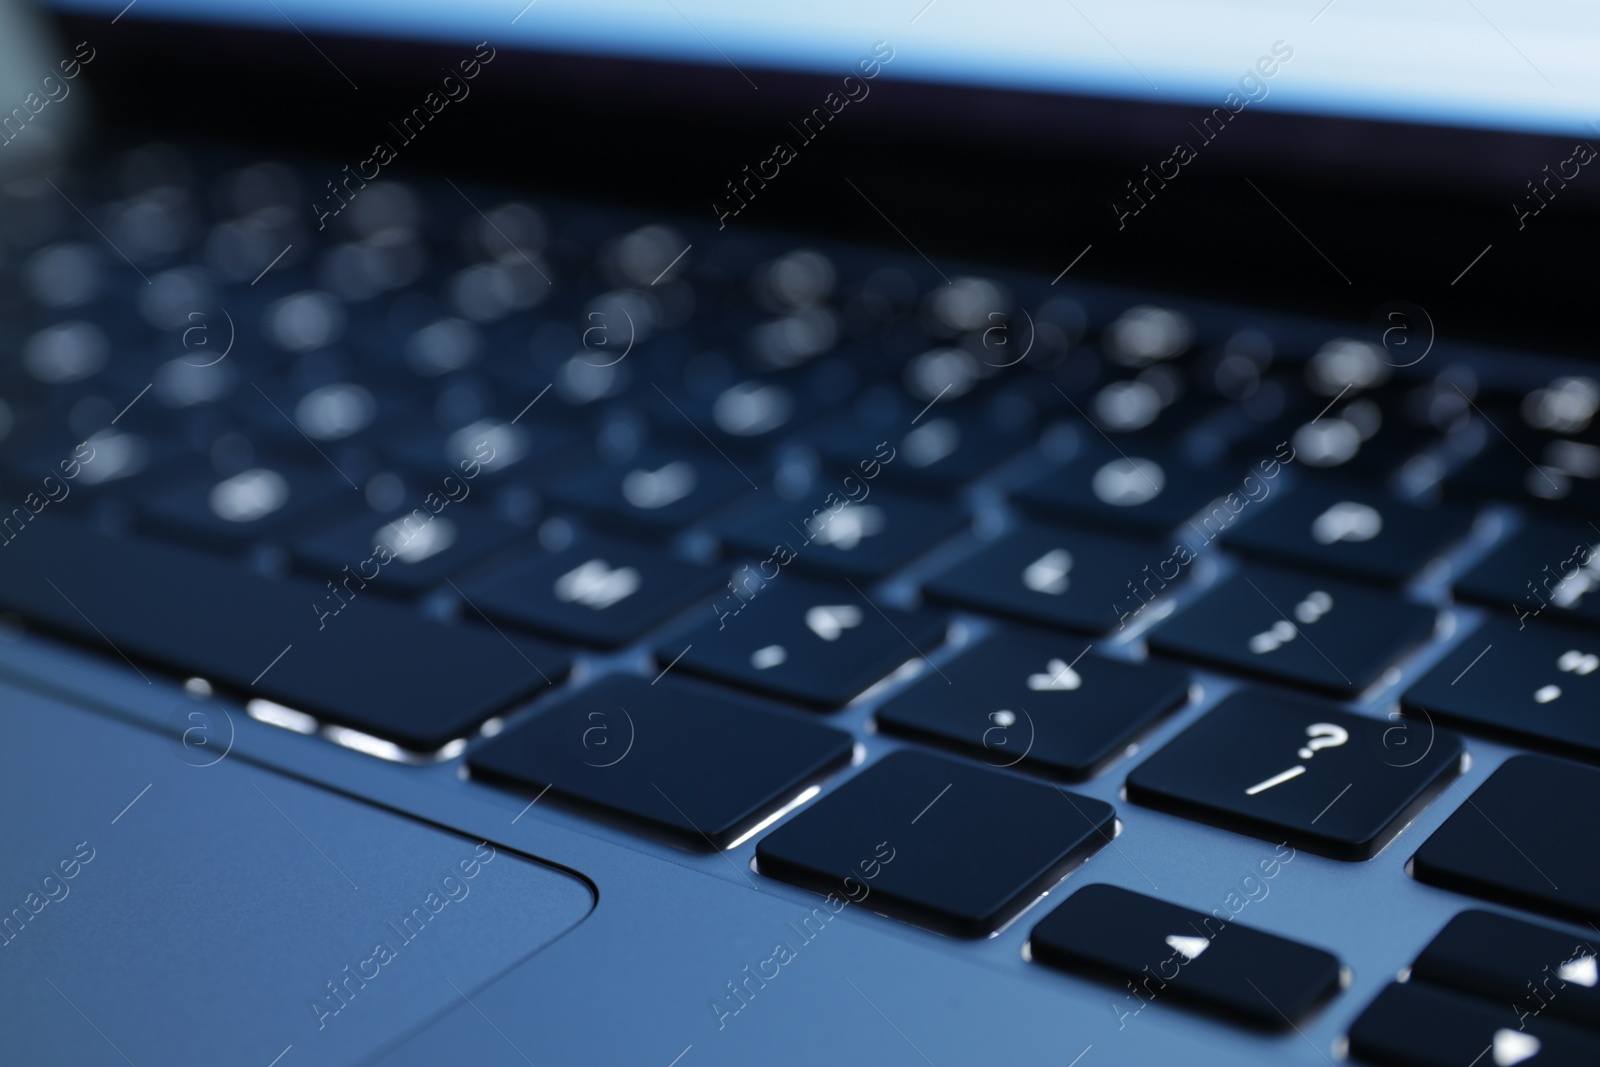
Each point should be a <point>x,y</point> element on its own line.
<point>1056,576</point>
<point>1130,488</point>
<point>700,765</point>
<point>970,847</point>
<point>374,665</point>
<point>1321,633</point>
<point>862,540</point>
<point>1534,683</point>
<point>820,644</point>
<point>600,591</point>
<point>1529,837</point>
<point>187,513</point>
<point>1351,528</point>
<point>111,465</point>
<point>1283,769</point>
<point>658,490</point>
<point>1416,1025</point>
<point>1163,950</point>
<point>403,555</point>
<point>1542,571</point>
<point>1538,970</point>
<point>1026,700</point>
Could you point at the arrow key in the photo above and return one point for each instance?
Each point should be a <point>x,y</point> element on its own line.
<point>1536,969</point>
<point>1418,1025</point>
<point>1158,951</point>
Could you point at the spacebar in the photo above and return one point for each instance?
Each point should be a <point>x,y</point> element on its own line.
<point>374,666</point>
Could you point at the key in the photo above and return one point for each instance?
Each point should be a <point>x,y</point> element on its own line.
<point>743,419</point>
<point>1317,632</point>
<point>862,540</point>
<point>355,660</point>
<point>656,491</point>
<point>1538,970</point>
<point>488,447</point>
<point>227,514</point>
<point>1416,1025</point>
<point>1535,683</point>
<point>327,418</point>
<point>1023,700</point>
<point>1282,769</point>
<point>77,475</point>
<point>1527,837</point>
<point>407,554</point>
<point>937,842</point>
<point>1346,527</point>
<point>600,591</point>
<point>1365,435</point>
<point>1143,489</point>
<point>801,639</point>
<point>701,766</point>
<point>1547,569</point>
<point>1159,950</point>
<point>936,455</point>
<point>1541,472</point>
<point>1056,576</point>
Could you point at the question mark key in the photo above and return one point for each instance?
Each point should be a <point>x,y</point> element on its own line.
<point>1244,766</point>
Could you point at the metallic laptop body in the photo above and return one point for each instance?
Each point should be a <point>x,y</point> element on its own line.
<point>204,867</point>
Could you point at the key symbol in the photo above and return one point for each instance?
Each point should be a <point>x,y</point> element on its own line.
<point>1278,779</point>
<point>829,621</point>
<point>1580,969</point>
<point>1191,947</point>
<point>1576,662</point>
<point>1275,637</point>
<point>998,736</point>
<point>1570,662</point>
<point>1310,610</point>
<point>763,659</point>
<point>1512,1047</point>
<point>1058,676</point>
<point>1127,483</point>
<point>847,528</point>
<point>1346,521</point>
<point>650,489</point>
<point>1048,573</point>
<point>1313,607</point>
<point>596,584</point>
<point>1323,735</point>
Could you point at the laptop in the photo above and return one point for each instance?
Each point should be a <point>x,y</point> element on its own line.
<point>675,534</point>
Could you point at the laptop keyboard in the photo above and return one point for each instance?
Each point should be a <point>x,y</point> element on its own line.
<point>388,483</point>
<point>1115,932</point>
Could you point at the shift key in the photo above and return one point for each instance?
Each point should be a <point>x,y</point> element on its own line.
<point>370,665</point>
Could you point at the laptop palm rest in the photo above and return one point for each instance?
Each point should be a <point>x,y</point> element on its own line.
<point>157,907</point>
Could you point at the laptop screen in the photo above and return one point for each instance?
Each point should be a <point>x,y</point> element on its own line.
<point>1487,64</point>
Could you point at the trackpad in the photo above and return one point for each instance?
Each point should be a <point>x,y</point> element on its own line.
<point>152,911</point>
